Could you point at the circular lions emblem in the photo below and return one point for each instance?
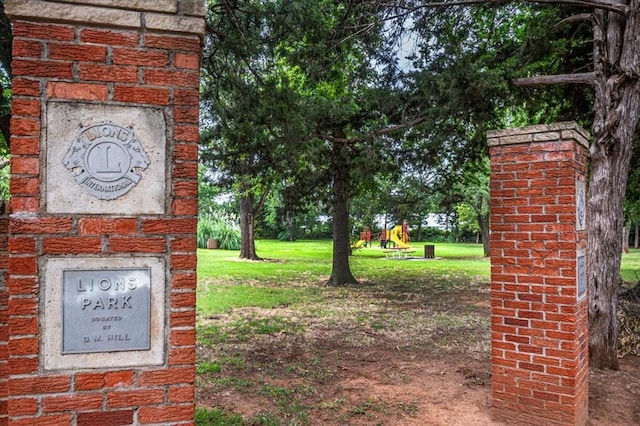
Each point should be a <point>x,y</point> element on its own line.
<point>106,159</point>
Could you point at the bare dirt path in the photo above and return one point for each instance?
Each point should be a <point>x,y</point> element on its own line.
<point>374,356</point>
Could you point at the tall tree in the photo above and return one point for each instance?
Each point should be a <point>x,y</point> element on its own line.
<point>243,105</point>
<point>613,74</point>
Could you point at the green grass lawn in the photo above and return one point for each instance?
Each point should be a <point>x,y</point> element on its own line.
<point>261,325</point>
<point>292,265</point>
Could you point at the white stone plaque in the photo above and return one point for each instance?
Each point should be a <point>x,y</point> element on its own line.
<point>105,159</point>
<point>581,274</point>
<point>581,205</point>
<point>112,316</point>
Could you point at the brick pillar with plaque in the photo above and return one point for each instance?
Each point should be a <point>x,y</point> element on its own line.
<point>539,329</point>
<point>4,315</point>
<point>102,247</point>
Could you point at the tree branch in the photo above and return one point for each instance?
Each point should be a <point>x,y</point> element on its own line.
<point>374,134</point>
<point>546,80</point>
<point>609,5</point>
<point>581,17</point>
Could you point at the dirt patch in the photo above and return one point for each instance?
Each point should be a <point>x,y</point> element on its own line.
<point>374,355</point>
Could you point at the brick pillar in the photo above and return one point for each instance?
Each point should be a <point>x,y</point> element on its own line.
<point>102,248</point>
<point>539,330</point>
<point>4,317</point>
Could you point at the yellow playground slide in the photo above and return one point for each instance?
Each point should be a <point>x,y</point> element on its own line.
<point>358,245</point>
<point>396,237</point>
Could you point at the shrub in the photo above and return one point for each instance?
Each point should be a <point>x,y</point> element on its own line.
<point>218,228</point>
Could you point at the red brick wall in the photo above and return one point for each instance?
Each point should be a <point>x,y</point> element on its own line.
<point>129,67</point>
<point>4,319</point>
<point>539,329</point>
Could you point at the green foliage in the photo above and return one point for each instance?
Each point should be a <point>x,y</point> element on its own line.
<point>218,228</point>
<point>217,417</point>
<point>208,367</point>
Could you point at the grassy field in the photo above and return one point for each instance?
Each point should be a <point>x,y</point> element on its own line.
<point>276,346</point>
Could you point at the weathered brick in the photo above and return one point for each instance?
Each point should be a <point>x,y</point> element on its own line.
<point>135,398</point>
<point>23,345</point>
<point>187,60</point>
<point>25,126</point>
<point>169,226</point>
<point>25,86</point>
<point>71,401</point>
<point>181,394</point>
<point>39,385</point>
<point>42,68</point>
<point>80,91</point>
<point>185,188</point>
<point>185,207</point>
<point>137,245</point>
<point>184,170</point>
<point>25,146</point>
<point>101,72</point>
<point>184,244</point>
<point>182,337</point>
<point>25,165</point>
<point>52,419</point>
<point>168,376</point>
<point>183,355</point>
<point>183,300</point>
<point>107,226</point>
<point>23,365</point>
<point>109,37</point>
<point>180,262</point>
<point>183,318</point>
<point>105,418</point>
<point>77,52</point>
<point>172,43</point>
<point>166,414</point>
<point>22,406</point>
<point>186,152</point>
<point>171,78</point>
<point>142,95</point>
<point>72,245</point>
<point>140,57</point>
<point>44,225</point>
<point>25,106</point>
<point>32,30</point>
<point>27,48</point>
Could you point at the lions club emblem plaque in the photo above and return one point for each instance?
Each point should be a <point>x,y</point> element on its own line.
<point>106,159</point>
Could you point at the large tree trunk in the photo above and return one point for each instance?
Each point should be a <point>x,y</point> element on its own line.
<point>625,239</point>
<point>341,271</point>
<point>636,238</point>
<point>247,242</point>
<point>614,129</point>
<point>483,222</point>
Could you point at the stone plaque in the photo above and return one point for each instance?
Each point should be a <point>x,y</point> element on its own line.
<point>581,274</point>
<point>581,206</point>
<point>106,310</point>
<point>105,159</point>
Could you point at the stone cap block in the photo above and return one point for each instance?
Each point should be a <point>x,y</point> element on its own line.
<point>185,16</point>
<point>539,133</point>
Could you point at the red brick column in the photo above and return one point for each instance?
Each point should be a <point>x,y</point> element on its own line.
<point>107,56</point>
<point>4,319</point>
<point>538,277</point>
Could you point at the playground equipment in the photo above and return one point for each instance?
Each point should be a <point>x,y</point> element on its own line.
<point>394,241</point>
<point>400,236</point>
